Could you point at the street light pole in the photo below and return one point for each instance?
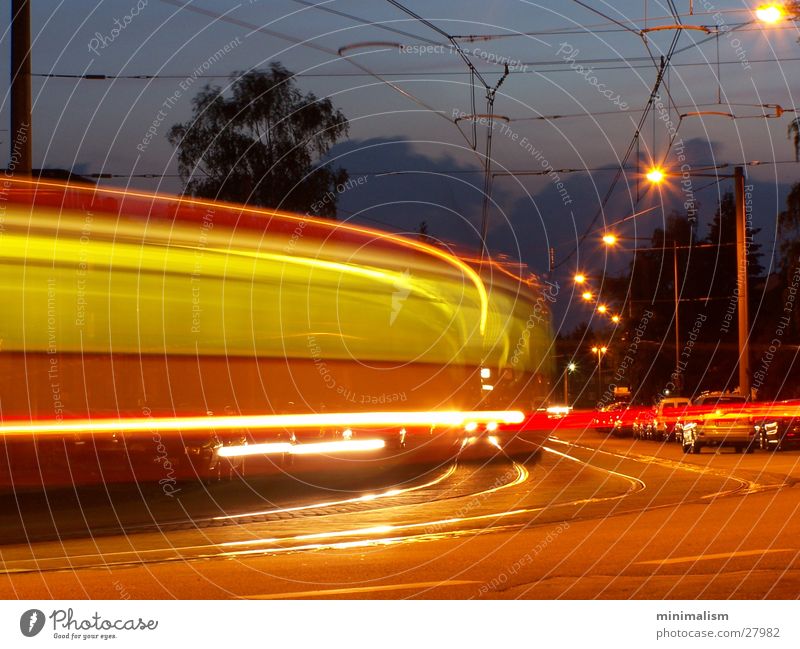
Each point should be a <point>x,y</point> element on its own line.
<point>677,304</point>
<point>657,176</point>
<point>599,351</point>
<point>569,368</point>
<point>741,282</point>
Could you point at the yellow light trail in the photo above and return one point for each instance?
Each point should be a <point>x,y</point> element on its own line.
<point>448,418</point>
<point>180,200</point>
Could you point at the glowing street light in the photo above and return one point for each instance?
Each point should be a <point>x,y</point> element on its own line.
<point>580,278</point>
<point>767,13</point>
<point>609,239</point>
<point>587,296</point>
<point>770,13</point>
<point>602,308</point>
<point>571,367</point>
<point>615,319</point>
<point>655,176</point>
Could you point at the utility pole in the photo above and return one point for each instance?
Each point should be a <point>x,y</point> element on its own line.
<point>741,282</point>
<point>657,176</point>
<point>677,320</point>
<point>20,160</point>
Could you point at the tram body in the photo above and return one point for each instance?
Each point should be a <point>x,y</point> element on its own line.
<point>125,305</point>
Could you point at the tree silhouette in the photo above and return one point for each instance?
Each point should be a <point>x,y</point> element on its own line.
<point>261,144</point>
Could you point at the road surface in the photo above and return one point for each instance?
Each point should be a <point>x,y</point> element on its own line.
<point>588,517</point>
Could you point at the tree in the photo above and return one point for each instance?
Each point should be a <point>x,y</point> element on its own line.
<point>260,145</point>
<point>792,8</point>
<point>789,228</point>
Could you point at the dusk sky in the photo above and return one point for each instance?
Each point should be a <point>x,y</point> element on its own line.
<point>101,126</point>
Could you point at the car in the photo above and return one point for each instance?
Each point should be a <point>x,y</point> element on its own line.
<point>718,419</point>
<point>666,417</point>
<point>779,430</point>
<point>605,419</point>
<point>624,419</point>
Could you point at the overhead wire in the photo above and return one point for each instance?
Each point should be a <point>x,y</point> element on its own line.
<point>188,6</point>
<point>630,149</point>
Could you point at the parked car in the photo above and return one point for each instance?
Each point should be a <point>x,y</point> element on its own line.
<point>624,420</point>
<point>718,419</point>
<point>659,422</point>
<point>606,418</point>
<point>780,429</point>
<point>642,422</point>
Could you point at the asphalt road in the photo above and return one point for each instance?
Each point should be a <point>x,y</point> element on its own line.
<point>589,517</point>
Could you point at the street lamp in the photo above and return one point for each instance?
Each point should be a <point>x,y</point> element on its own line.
<point>741,266</point>
<point>602,308</point>
<point>609,239</point>
<point>580,278</point>
<point>587,296</point>
<point>570,368</point>
<point>655,175</point>
<point>599,351</point>
<point>770,13</point>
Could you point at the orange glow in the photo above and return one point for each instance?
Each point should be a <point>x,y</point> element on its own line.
<point>655,175</point>
<point>602,308</point>
<point>587,296</point>
<point>609,239</point>
<point>615,319</point>
<point>183,200</point>
<point>302,449</point>
<point>449,418</point>
<point>386,494</point>
<point>770,13</point>
<point>580,279</point>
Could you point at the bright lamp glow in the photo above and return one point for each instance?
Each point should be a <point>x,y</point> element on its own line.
<point>609,239</point>
<point>769,13</point>
<point>558,410</point>
<point>580,278</point>
<point>602,308</point>
<point>655,175</point>
<point>258,422</point>
<point>486,373</point>
<point>302,449</point>
<point>615,319</point>
<point>587,296</point>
